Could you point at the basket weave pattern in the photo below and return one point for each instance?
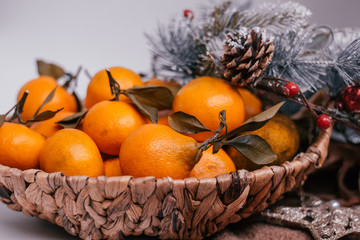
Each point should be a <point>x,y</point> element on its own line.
<point>111,208</point>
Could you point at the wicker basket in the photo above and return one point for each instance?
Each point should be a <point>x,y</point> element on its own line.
<point>110,208</point>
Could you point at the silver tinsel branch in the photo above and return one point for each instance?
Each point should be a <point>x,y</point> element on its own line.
<point>186,49</point>
<point>274,17</point>
<point>176,51</point>
<point>333,64</point>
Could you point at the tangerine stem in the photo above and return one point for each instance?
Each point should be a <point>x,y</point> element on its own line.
<point>114,85</point>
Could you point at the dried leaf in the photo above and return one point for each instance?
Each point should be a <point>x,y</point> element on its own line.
<point>153,96</point>
<point>78,102</point>
<point>49,69</point>
<point>45,115</point>
<point>186,123</point>
<point>255,148</point>
<point>47,99</point>
<point>216,147</point>
<point>149,111</point>
<point>18,107</point>
<point>72,121</point>
<point>256,121</point>
<point>174,88</point>
<point>2,119</point>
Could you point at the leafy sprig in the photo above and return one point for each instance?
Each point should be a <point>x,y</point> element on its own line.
<point>37,117</point>
<point>255,148</point>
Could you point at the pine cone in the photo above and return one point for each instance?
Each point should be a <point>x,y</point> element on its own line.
<point>246,57</point>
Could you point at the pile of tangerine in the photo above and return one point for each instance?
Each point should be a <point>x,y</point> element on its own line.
<point>115,139</point>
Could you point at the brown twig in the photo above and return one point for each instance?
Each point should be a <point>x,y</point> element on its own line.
<point>304,102</point>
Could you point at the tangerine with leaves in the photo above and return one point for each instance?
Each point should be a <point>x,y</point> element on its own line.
<point>20,146</point>
<point>39,89</point>
<point>212,165</point>
<point>98,89</point>
<point>48,127</point>
<point>159,151</point>
<point>72,152</point>
<point>281,134</point>
<point>204,98</point>
<point>108,123</point>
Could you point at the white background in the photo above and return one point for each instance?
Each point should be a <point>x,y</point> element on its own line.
<point>95,34</point>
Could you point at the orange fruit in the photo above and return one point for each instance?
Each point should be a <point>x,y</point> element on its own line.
<point>20,146</point>
<point>163,117</point>
<point>157,150</point>
<point>39,89</point>
<point>48,127</point>
<point>99,87</point>
<point>155,82</point>
<point>212,165</point>
<point>205,97</point>
<point>112,166</point>
<point>281,134</point>
<point>252,104</point>
<point>108,123</point>
<point>72,152</point>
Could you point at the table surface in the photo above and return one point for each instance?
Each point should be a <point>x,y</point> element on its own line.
<point>17,226</point>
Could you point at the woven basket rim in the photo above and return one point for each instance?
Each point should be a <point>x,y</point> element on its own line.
<point>319,147</point>
<point>189,208</point>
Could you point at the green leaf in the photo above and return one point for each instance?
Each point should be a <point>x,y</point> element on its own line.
<point>72,121</point>
<point>255,148</point>
<point>49,69</point>
<point>186,123</point>
<point>256,121</point>
<point>154,96</point>
<point>2,119</point>
<point>45,115</point>
<point>149,111</point>
<point>47,99</point>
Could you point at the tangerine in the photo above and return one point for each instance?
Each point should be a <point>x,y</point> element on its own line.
<point>112,166</point>
<point>212,165</point>
<point>108,123</point>
<point>205,97</point>
<point>72,152</point>
<point>281,134</point>
<point>48,127</point>
<point>39,89</point>
<point>252,104</point>
<point>20,146</point>
<point>99,87</point>
<point>159,151</point>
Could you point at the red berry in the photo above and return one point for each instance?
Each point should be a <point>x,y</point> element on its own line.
<point>291,89</point>
<point>323,121</point>
<point>188,14</point>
